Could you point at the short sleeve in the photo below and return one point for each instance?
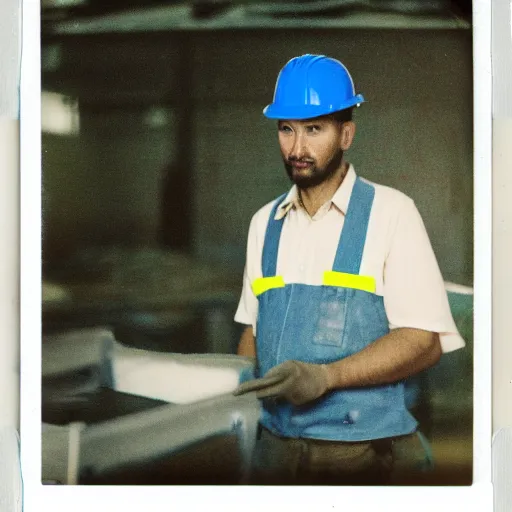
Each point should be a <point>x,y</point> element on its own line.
<point>414,290</point>
<point>247,311</point>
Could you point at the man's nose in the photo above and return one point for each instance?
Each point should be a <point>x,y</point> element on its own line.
<point>298,149</point>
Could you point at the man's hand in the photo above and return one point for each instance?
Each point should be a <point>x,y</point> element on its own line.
<point>297,382</point>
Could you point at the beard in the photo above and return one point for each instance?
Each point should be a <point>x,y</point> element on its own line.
<point>316,175</point>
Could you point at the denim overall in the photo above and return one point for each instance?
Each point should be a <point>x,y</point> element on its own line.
<point>322,324</point>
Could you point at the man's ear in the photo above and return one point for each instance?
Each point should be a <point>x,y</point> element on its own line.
<point>348,132</point>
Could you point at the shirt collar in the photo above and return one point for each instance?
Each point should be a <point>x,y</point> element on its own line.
<point>340,198</point>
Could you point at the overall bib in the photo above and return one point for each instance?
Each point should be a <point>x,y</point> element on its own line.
<point>322,324</point>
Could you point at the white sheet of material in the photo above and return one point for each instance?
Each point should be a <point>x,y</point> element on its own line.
<point>161,376</point>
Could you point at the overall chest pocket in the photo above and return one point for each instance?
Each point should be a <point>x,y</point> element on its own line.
<point>332,317</point>
<point>349,320</point>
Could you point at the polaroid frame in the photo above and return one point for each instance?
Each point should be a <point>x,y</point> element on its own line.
<point>82,498</point>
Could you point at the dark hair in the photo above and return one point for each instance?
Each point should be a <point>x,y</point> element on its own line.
<point>342,116</point>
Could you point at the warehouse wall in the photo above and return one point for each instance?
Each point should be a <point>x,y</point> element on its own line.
<point>414,133</point>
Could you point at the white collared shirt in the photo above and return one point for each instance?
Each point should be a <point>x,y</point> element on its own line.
<point>397,253</point>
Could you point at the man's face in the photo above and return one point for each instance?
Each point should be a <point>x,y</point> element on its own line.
<point>311,149</point>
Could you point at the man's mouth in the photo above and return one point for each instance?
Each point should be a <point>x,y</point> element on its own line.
<point>301,165</point>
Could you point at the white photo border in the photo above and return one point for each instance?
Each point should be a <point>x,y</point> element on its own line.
<point>82,498</point>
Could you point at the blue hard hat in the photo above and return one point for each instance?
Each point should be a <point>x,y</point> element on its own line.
<point>311,86</point>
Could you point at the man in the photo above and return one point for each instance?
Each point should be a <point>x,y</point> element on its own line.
<point>342,300</point>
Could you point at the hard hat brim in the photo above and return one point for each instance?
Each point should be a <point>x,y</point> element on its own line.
<point>299,112</point>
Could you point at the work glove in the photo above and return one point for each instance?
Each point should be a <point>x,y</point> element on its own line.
<point>294,381</point>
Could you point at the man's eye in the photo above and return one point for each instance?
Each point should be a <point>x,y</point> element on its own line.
<point>285,129</point>
<point>315,128</point>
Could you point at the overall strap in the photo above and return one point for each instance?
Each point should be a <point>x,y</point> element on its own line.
<point>353,235</point>
<point>271,243</point>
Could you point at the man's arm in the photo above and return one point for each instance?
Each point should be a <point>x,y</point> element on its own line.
<point>247,344</point>
<point>393,357</point>
<point>400,354</point>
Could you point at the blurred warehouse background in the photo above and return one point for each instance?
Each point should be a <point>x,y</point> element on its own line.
<point>156,155</point>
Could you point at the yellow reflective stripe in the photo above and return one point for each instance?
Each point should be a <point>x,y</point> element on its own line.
<point>366,283</point>
<point>263,284</point>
